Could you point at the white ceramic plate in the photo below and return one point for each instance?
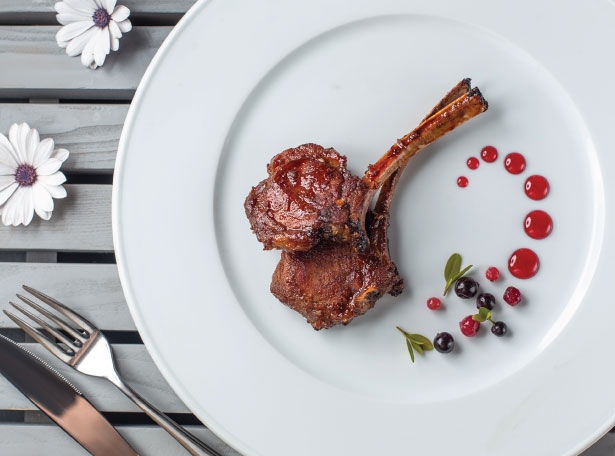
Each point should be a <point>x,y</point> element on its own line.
<point>239,81</point>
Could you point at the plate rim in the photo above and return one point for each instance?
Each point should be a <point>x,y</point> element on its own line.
<point>211,424</point>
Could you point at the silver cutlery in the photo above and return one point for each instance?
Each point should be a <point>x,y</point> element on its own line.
<point>60,400</point>
<point>83,347</point>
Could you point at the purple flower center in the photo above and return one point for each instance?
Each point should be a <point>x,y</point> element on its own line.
<point>101,18</point>
<point>25,175</point>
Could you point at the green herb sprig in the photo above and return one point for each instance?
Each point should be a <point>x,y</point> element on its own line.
<point>483,315</point>
<point>452,271</point>
<point>416,342</point>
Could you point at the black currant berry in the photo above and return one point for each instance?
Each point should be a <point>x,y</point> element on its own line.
<point>466,288</point>
<point>444,342</point>
<point>499,328</point>
<point>485,300</point>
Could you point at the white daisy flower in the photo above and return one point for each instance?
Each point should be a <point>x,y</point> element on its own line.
<point>92,28</point>
<point>30,175</point>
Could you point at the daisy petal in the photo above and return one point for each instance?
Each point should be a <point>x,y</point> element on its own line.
<point>33,139</point>
<point>60,154</point>
<point>5,181</point>
<point>76,45</point>
<point>73,30</point>
<point>8,156</point>
<point>7,192</point>
<point>65,8</point>
<point>120,13</point>
<point>70,17</point>
<point>115,44</point>
<point>63,44</point>
<point>7,216</point>
<point>17,136</point>
<point>56,191</point>
<point>54,179</point>
<point>43,152</point>
<point>27,206</point>
<point>42,198</point>
<point>87,55</point>
<point>44,215</point>
<point>115,30</point>
<point>109,4</point>
<point>103,46</point>
<point>49,167</point>
<point>6,170</point>
<point>86,6</point>
<point>125,26</point>
<point>11,213</point>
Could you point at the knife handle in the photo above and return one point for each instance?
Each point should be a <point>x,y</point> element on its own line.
<point>194,446</point>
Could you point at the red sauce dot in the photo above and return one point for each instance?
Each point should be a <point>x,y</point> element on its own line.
<point>538,224</point>
<point>536,187</point>
<point>523,263</point>
<point>473,163</point>
<point>489,154</point>
<point>462,181</point>
<point>514,163</point>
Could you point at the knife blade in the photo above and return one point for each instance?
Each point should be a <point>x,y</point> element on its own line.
<point>60,400</point>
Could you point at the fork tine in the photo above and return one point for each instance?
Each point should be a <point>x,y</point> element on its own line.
<point>40,337</point>
<point>55,333</point>
<point>79,339</point>
<point>57,305</point>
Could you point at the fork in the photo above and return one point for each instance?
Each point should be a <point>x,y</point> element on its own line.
<point>83,347</point>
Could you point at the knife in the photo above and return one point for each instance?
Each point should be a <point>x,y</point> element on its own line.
<point>60,400</point>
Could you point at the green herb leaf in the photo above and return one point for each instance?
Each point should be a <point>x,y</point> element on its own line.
<point>408,344</point>
<point>422,340</point>
<point>402,331</point>
<point>415,342</point>
<point>452,271</point>
<point>461,273</point>
<point>452,266</point>
<point>483,314</point>
<point>416,346</point>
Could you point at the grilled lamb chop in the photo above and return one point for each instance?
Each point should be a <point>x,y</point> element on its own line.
<point>334,282</point>
<point>308,197</point>
<point>311,197</point>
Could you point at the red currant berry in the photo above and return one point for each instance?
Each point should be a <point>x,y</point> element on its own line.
<point>469,327</point>
<point>434,303</point>
<point>512,296</point>
<point>492,274</point>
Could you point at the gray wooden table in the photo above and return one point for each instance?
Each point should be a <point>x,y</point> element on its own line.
<point>71,257</point>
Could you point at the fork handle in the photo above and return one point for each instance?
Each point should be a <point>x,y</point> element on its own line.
<point>187,440</point>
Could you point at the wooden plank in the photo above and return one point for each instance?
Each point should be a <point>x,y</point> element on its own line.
<point>93,290</point>
<point>89,131</point>
<point>28,440</point>
<point>135,365</point>
<point>35,67</point>
<point>42,11</point>
<point>82,221</point>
